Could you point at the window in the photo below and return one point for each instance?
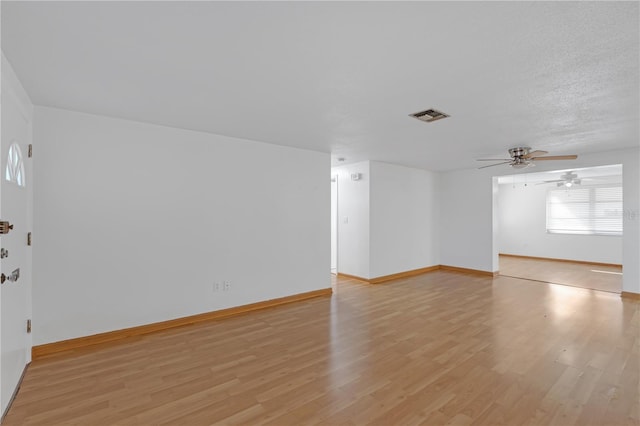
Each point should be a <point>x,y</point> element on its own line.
<point>593,210</point>
<point>15,167</point>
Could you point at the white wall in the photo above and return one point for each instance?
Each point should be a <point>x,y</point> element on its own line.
<point>466,231</point>
<point>404,219</point>
<point>353,219</point>
<point>522,216</point>
<point>631,224</point>
<point>135,222</point>
<point>467,238</point>
<point>388,220</point>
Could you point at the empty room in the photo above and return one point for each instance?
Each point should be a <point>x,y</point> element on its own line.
<point>337,213</point>
<point>563,227</point>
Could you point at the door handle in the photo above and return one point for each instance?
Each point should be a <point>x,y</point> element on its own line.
<point>13,277</point>
<point>5,227</point>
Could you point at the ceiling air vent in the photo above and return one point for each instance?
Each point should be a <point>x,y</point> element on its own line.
<point>429,115</point>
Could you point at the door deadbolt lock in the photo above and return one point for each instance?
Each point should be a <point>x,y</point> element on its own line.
<point>5,227</point>
<point>13,277</point>
<point>4,253</point>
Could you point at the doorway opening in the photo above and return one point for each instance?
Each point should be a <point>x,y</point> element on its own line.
<point>561,227</point>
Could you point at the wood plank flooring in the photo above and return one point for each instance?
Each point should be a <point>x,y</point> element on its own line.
<point>440,348</point>
<point>585,275</point>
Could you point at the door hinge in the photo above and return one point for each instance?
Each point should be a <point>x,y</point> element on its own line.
<point>30,151</point>
<point>28,238</point>
<point>28,326</point>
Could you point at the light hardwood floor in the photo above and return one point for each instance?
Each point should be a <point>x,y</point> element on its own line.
<point>586,275</point>
<point>440,348</point>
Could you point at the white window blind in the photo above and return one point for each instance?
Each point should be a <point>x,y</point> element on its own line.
<point>594,210</point>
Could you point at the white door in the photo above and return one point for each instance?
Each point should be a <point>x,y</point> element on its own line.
<point>334,224</point>
<point>15,343</point>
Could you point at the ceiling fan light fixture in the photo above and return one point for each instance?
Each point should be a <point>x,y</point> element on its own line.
<point>519,165</point>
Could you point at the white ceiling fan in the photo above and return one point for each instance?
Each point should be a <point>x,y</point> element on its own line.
<point>522,157</point>
<point>567,179</point>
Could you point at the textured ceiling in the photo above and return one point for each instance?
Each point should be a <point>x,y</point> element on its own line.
<point>342,77</point>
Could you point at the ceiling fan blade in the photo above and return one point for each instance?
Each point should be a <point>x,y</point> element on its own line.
<point>535,153</point>
<point>491,165</point>
<point>555,157</point>
<point>551,181</point>
<point>493,159</point>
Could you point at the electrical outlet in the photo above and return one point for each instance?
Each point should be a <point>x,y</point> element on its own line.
<point>226,285</point>
<point>216,287</point>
